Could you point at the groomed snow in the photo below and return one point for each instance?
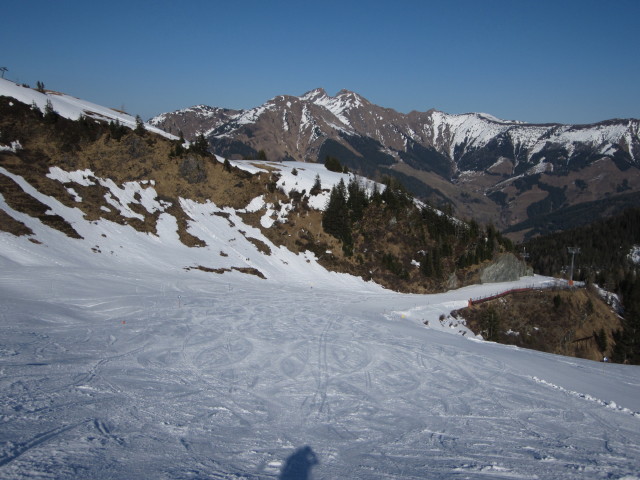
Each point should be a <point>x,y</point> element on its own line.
<point>138,373</point>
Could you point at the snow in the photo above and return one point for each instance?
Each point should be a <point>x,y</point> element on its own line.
<point>255,205</point>
<point>476,130</point>
<point>541,167</point>
<point>71,107</point>
<point>81,177</point>
<point>119,358</point>
<point>251,116</point>
<point>122,364</point>
<point>13,147</point>
<point>338,106</point>
<point>134,373</point>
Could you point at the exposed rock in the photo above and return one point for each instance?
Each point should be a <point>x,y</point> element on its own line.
<point>453,282</point>
<point>192,169</point>
<point>505,268</point>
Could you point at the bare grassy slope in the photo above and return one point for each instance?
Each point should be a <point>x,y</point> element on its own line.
<point>566,322</point>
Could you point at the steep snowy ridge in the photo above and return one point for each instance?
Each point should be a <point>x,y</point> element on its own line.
<point>340,105</point>
<point>475,131</point>
<point>194,120</point>
<point>71,107</point>
<point>467,130</point>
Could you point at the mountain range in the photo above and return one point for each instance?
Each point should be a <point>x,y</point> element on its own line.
<point>509,173</point>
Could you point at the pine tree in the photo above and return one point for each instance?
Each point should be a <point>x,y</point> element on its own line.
<point>601,339</point>
<point>35,108</point>
<point>333,164</point>
<point>116,129</point>
<point>426,265</point>
<point>358,201</point>
<point>317,186</point>
<point>139,130</point>
<point>437,263</point>
<point>200,146</point>
<point>50,115</point>
<point>376,197</point>
<point>335,219</point>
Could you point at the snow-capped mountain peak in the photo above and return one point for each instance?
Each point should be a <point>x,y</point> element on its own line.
<point>313,95</point>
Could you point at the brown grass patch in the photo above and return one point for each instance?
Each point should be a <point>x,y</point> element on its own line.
<point>561,322</point>
<point>259,244</point>
<point>208,270</point>
<point>250,271</point>
<point>11,225</point>
<point>247,270</point>
<point>21,201</point>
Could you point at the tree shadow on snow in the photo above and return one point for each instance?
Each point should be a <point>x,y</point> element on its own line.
<point>299,464</point>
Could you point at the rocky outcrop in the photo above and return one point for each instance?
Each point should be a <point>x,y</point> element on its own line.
<point>506,267</point>
<point>192,169</point>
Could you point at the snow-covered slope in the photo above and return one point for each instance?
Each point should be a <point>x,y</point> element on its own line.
<point>70,107</point>
<point>230,241</point>
<point>130,370</point>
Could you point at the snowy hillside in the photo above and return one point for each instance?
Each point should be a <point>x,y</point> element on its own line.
<point>133,371</point>
<point>126,354</point>
<point>70,107</point>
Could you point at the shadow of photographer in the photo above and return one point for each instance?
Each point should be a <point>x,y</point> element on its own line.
<point>299,464</point>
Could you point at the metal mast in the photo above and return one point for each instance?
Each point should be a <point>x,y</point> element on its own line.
<point>572,251</point>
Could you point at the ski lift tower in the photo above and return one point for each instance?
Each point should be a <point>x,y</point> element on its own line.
<point>572,251</point>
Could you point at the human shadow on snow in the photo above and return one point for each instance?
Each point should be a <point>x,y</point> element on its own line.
<point>299,464</point>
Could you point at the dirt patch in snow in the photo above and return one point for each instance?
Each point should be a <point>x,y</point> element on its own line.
<point>11,225</point>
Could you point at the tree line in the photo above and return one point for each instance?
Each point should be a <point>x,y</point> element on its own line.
<point>360,216</point>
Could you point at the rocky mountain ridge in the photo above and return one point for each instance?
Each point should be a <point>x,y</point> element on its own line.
<point>459,138</point>
<point>469,160</point>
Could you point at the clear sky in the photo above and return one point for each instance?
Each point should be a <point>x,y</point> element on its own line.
<point>532,60</point>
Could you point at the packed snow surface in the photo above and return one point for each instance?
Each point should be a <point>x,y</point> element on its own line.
<point>136,373</point>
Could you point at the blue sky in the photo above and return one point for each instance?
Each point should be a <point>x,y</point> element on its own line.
<point>537,61</point>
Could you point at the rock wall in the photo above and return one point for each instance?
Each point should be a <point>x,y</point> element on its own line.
<point>506,267</point>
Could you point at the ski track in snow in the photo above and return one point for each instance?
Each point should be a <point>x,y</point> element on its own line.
<point>134,375</point>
